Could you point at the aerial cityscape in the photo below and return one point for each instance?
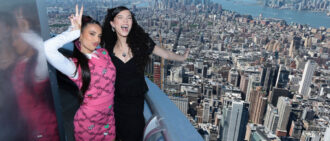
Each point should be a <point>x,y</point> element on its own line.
<point>247,77</point>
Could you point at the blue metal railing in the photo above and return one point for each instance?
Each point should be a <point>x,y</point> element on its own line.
<point>171,122</point>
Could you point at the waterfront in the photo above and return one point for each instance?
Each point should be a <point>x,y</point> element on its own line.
<point>253,8</point>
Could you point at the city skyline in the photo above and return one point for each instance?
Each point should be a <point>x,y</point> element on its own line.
<point>257,69</point>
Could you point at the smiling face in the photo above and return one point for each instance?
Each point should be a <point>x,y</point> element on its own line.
<point>90,38</point>
<point>122,23</point>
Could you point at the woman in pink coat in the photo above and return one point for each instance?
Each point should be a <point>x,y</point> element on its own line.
<point>93,72</point>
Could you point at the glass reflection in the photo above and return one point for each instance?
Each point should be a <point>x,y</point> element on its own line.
<point>26,104</point>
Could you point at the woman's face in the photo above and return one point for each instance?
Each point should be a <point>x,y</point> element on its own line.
<point>90,38</point>
<point>122,23</point>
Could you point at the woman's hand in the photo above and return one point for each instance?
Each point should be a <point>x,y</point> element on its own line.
<point>169,55</point>
<point>76,19</point>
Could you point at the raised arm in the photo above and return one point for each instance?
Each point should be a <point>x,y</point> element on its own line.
<point>169,55</point>
<point>54,57</point>
<point>57,59</point>
<point>36,42</point>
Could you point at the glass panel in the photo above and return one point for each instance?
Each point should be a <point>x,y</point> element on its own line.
<point>26,103</point>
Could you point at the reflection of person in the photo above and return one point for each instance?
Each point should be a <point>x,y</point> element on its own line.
<point>30,78</point>
<point>93,72</point>
<point>129,47</point>
<point>14,126</point>
<point>7,54</point>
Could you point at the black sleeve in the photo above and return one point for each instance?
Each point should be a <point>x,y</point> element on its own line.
<point>151,45</point>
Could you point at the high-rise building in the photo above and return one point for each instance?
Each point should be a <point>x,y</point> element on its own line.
<point>284,109</point>
<point>244,84</point>
<point>296,129</point>
<point>307,77</point>
<point>271,118</point>
<point>149,69</point>
<point>234,120</point>
<point>258,103</point>
<point>276,93</point>
<point>292,49</point>
<point>257,132</point>
<point>268,77</point>
<point>294,46</point>
<point>300,63</point>
<point>217,118</point>
<point>254,81</point>
<point>181,103</point>
<point>308,42</point>
<point>263,71</point>
<point>207,91</point>
<point>206,111</point>
<point>282,77</point>
<point>308,114</point>
<point>185,76</point>
<point>233,77</point>
<point>157,75</point>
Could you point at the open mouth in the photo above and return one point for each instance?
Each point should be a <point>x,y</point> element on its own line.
<point>124,28</point>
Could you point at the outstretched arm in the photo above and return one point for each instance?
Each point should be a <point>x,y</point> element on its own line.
<point>169,55</point>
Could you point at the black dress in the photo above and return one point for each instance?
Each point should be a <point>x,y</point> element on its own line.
<point>130,90</point>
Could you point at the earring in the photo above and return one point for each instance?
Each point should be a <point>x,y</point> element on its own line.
<point>113,29</point>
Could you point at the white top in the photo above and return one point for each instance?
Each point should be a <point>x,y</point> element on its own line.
<point>57,59</point>
<point>36,42</point>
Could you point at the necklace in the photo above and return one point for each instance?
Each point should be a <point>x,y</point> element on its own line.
<point>124,54</point>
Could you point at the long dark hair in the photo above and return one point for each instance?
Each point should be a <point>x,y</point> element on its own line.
<point>82,59</point>
<point>138,40</point>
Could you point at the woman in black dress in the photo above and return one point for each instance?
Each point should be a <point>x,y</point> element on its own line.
<point>129,48</point>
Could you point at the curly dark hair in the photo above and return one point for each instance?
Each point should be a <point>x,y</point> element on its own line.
<point>138,40</point>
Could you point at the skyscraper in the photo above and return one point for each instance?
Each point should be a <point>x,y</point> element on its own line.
<point>263,70</point>
<point>233,77</point>
<point>307,77</point>
<point>284,109</point>
<point>157,75</point>
<point>258,103</point>
<point>292,49</point>
<point>268,77</point>
<point>206,111</point>
<point>282,77</point>
<point>244,84</point>
<point>271,118</point>
<point>276,93</point>
<point>235,118</point>
<point>296,129</point>
<point>294,46</point>
<point>308,42</point>
<point>181,103</point>
<point>253,82</point>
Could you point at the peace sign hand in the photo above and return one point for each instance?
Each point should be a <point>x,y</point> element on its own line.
<point>76,19</point>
